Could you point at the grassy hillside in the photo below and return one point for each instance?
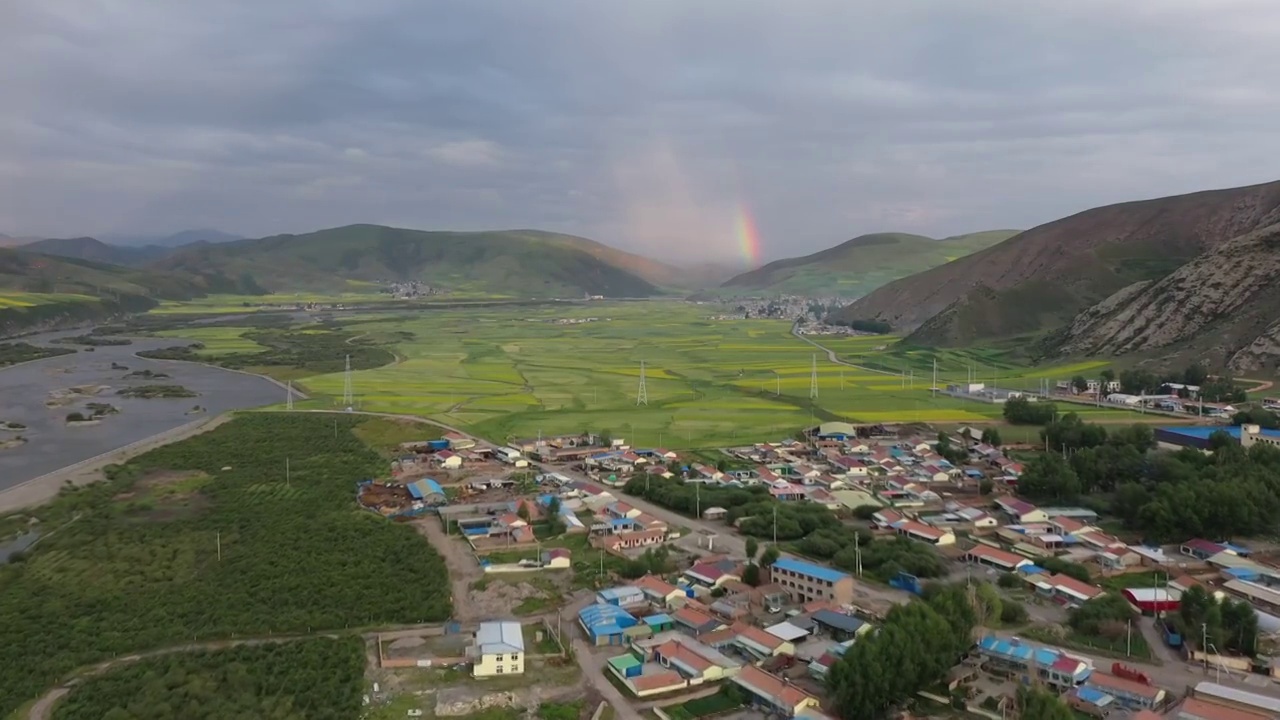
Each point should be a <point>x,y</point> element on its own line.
<point>1041,278</point>
<point>857,267</point>
<point>45,291</point>
<point>518,263</point>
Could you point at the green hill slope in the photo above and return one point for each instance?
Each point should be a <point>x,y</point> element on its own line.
<point>858,266</point>
<point>87,248</point>
<point>521,263</point>
<point>46,291</point>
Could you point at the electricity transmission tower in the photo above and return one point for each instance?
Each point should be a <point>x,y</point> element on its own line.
<point>347,397</point>
<point>288,403</point>
<point>642,395</point>
<point>813,379</point>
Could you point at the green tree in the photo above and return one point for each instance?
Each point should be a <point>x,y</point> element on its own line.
<point>751,574</point>
<point>753,547</point>
<point>986,487</point>
<point>991,436</point>
<point>553,506</point>
<point>770,556</point>
<point>1041,704</point>
<point>1080,383</point>
<point>523,512</point>
<point>1049,477</point>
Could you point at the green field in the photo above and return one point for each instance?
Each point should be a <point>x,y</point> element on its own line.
<point>16,298</point>
<point>709,382</point>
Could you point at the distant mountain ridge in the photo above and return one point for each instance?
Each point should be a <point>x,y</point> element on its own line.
<point>1163,276</point>
<point>178,239</point>
<point>858,266</point>
<point>522,263</point>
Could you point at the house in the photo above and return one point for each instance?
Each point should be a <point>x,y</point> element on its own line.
<point>774,694</point>
<point>628,596</point>
<point>448,460</point>
<point>852,499</point>
<point>557,559</point>
<point>1194,708</point>
<point>806,581</point>
<point>839,625</point>
<point>605,624</point>
<point>1064,589</point>
<point>1118,558</point>
<point>1129,693</point>
<point>788,631</point>
<point>458,441</point>
<point>631,540</point>
<point>1093,702</point>
<point>659,592</point>
<point>993,557</point>
<point>622,510</point>
<point>885,519</point>
<point>714,513</point>
<point>645,679</point>
<point>695,622</point>
<point>759,643</point>
<point>1054,667</point>
<point>697,662</point>
<point>925,533</point>
<point>713,574</point>
<point>498,649</point>
<point>1201,549</point>
<point>1020,511</point>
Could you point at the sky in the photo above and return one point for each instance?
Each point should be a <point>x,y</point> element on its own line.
<point>653,126</point>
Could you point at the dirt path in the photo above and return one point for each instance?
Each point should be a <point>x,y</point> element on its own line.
<point>44,488</point>
<point>463,569</point>
<point>594,675</point>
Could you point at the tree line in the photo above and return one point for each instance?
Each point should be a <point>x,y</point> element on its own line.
<point>815,530</point>
<point>1168,496</point>
<point>1229,626</point>
<point>207,539</point>
<point>316,679</point>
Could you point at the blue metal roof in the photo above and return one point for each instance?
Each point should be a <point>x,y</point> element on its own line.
<point>618,593</point>
<point>1203,432</point>
<point>605,619</point>
<point>661,619</point>
<point>425,487</point>
<point>1094,696</point>
<point>1031,570</point>
<point>807,568</point>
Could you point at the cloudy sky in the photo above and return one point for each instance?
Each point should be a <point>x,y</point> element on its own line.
<point>649,125</point>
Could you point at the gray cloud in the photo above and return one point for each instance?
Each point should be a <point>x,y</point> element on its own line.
<point>651,126</point>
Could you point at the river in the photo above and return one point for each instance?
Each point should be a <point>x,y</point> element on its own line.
<point>52,444</point>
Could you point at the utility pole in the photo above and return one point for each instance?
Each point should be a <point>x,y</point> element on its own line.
<point>218,540</point>
<point>697,500</point>
<point>1128,642</point>
<point>935,377</point>
<point>642,395</point>
<point>286,473</point>
<point>347,396</point>
<point>775,524</point>
<point>288,402</point>
<point>813,379</point>
<point>778,387</point>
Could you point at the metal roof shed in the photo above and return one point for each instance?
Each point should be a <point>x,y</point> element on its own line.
<point>788,632</point>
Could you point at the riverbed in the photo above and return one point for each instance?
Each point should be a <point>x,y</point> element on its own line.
<point>52,444</point>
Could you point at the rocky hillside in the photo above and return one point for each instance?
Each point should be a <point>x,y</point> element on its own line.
<point>1042,278</point>
<point>1223,306</point>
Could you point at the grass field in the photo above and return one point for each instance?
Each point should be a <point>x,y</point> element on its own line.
<point>709,382</point>
<point>14,298</point>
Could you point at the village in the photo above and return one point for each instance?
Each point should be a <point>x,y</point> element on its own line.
<point>680,614</point>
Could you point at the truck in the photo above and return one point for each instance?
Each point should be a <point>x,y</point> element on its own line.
<point>1121,670</point>
<point>1170,633</point>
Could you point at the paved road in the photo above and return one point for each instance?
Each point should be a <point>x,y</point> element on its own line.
<point>831,354</point>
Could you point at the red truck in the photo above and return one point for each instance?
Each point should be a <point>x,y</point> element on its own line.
<point>1121,670</point>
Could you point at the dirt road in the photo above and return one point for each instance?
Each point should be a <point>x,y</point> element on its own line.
<point>463,569</point>
<point>42,489</point>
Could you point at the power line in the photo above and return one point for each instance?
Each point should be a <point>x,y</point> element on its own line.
<point>813,379</point>
<point>642,395</point>
<point>347,396</point>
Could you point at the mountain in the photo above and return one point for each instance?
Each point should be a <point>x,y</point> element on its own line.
<point>523,263</point>
<point>178,239</point>
<point>47,291</point>
<point>1042,278</point>
<point>1220,306</point>
<point>858,266</point>
<point>87,248</point>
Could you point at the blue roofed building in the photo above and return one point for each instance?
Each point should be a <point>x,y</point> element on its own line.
<point>428,491</point>
<point>621,596</point>
<point>1092,701</point>
<point>806,582</point>
<point>1053,666</point>
<point>606,624</point>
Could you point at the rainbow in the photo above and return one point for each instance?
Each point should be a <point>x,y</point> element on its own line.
<point>748,236</point>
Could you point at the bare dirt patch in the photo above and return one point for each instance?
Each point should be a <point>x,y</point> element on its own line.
<point>67,396</point>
